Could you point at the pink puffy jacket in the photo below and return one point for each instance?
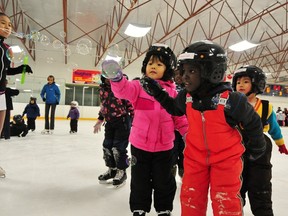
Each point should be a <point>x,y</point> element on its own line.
<point>152,127</point>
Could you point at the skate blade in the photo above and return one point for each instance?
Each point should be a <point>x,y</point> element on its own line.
<point>107,182</point>
<point>120,185</point>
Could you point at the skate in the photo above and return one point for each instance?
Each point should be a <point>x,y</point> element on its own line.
<point>120,178</point>
<point>108,175</point>
<point>45,131</point>
<point>2,173</point>
<point>164,213</point>
<point>139,213</point>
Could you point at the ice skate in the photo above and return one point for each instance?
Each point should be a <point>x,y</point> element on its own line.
<point>108,175</point>
<point>139,213</point>
<point>164,213</point>
<point>45,131</point>
<point>120,178</point>
<point>2,173</point>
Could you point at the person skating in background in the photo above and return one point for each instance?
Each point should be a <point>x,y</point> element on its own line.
<point>213,147</point>
<point>179,144</point>
<point>18,127</point>
<point>152,132</point>
<point>74,115</point>
<point>50,94</point>
<point>32,111</point>
<point>9,93</point>
<point>6,69</point>
<point>116,114</point>
<point>251,80</point>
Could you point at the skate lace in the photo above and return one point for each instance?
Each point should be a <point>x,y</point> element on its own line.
<point>119,174</point>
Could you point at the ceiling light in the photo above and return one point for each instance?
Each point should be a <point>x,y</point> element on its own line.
<point>243,45</point>
<point>137,30</point>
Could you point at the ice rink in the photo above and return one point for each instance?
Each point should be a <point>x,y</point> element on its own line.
<point>56,175</point>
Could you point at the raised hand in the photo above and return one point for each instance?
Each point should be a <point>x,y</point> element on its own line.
<point>152,87</point>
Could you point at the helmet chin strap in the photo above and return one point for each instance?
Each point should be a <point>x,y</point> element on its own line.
<point>249,93</point>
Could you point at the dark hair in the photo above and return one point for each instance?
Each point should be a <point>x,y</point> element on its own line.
<point>3,14</point>
<point>51,76</point>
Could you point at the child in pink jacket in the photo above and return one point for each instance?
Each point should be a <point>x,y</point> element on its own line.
<point>152,132</point>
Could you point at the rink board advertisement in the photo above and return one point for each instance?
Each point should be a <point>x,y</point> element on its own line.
<point>86,76</point>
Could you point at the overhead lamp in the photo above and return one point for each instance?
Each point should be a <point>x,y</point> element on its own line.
<point>137,30</point>
<point>243,45</point>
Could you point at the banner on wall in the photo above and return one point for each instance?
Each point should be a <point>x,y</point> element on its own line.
<point>86,76</point>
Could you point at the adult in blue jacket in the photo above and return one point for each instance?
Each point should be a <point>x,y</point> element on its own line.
<point>50,94</point>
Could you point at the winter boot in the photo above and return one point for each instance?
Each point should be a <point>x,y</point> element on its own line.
<point>2,173</point>
<point>164,213</point>
<point>119,178</point>
<point>139,213</point>
<point>109,174</point>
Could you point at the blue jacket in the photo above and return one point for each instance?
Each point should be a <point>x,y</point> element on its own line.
<point>50,93</point>
<point>31,110</point>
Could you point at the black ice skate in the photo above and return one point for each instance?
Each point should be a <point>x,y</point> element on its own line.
<point>109,174</point>
<point>139,213</point>
<point>120,178</point>
<point>164,213</point>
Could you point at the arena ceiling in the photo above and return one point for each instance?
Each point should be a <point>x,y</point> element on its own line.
<point>176,23</point>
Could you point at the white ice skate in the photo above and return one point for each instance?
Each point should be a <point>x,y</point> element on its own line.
<point>120,178</point>
<point>2,173</point>
<point>47,132</point>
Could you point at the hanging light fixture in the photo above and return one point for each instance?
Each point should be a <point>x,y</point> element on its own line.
<point>243,45</point>
<point>137,30</point>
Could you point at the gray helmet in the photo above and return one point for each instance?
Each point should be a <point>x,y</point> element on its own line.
<point>257,76</point>
<point>209,56</point>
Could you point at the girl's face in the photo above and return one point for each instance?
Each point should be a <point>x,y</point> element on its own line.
<point>155,69</point>
<point>191,77</point>
<point>5,26</point>
<point>244,85</point>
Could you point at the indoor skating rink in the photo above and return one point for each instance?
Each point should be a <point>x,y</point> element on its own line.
<point>56,175</point>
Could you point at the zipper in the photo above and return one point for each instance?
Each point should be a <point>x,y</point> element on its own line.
<point>205,137</point>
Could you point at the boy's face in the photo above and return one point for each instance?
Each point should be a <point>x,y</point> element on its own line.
<point>191,77</point>
<point>5,26</point>
<point>244,85</point>
<point>155,69</point>
<point>178,77</point>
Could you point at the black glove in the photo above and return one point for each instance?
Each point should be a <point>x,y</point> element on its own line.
<point>255,153</point>
<point>28,69</point>
<point>152,87</point>
<point>44,99</point>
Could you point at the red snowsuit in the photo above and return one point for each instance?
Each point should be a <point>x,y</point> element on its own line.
<point>212,157</point>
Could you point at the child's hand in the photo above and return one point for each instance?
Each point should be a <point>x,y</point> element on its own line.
<point>97,126</point>
<point>152,87</point>
<point>283,149</point>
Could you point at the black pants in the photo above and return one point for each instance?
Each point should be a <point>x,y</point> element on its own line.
<point>151,175</point>
<point>6,125</point>
<point>31,123</point>
<point>178,149</point>
<point>257,183</point>
<point>116,142</point>
<point>52,116</point>
<point>74,125</point>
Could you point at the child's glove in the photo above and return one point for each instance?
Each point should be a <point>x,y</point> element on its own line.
<point>152,87</point>
<point>44,99</point>
<point>283,149</point>
<point>255,152</point>
<point>112,70</point>
<point>97,126</point>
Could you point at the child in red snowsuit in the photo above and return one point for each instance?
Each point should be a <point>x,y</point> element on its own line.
<point>212,156</point>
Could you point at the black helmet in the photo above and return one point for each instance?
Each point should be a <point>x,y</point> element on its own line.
<point>209,56</point>
<point>33,98</point>
<point>257,76</point>
<point>17,119</point>
<point>167,57</point>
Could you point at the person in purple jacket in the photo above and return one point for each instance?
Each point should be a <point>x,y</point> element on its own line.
<point>74,116</point>
<point>152,133</point>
